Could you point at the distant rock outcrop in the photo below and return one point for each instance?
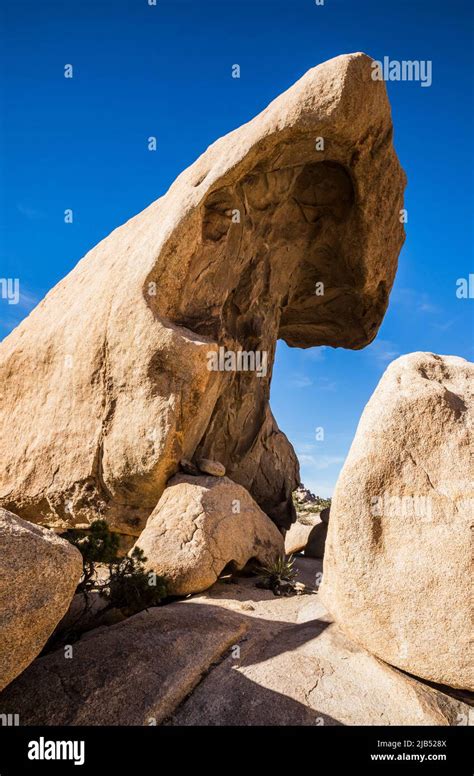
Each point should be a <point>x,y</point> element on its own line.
<point>309,531</point>
<point>303,495</point>
<point>121,371</point>
<point>398,560</point>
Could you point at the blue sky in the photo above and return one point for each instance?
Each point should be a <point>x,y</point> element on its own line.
<point>165,71</point>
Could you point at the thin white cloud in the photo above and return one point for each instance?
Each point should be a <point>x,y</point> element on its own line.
<point>306,448</point>
<point>28,300</point>
<point>428,307</point>
<point>319,383</point>
<point>325,384</point>
<point>383,351</point>
<point>12,315</point>
<point>320,462</point>
<point>316,354</point>
<point>415,300</point>
<point>322,488</point>
<point>312,465</point>
<point>444,326</point>
<point>300,381</point>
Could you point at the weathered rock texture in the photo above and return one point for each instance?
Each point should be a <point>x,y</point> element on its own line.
<point>113,363</point>
<point>133,673</point>
<point>310,673</point>
<point>39,573</point>
<point>398,559</point>
<point>324,515</point>
<point>203,525</point>
<point>215,468</point>
<point>178,664</point>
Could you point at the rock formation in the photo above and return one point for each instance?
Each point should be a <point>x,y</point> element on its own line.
<point>303,496</point>
<point>203,525</point>
<point>106,385</point>
<point>398,560</point>
<point>296,538</point>
<point>316,543</point>
<point>39,573</point>
<point>311,512</point>
<point>324,515</point>
<point>214,468</point>
<point>310,673</point>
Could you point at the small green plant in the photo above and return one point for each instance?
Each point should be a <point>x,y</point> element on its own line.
<point>279,576</point>
<point>96,545</point>
<point>123,583</point>
<point>127,585</point>
<point>130,588</point>
<point>313,509</point>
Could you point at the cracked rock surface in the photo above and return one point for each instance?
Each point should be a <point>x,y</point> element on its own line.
<point>200,526</point>
<point>296,667</point>
<point>133,673</point>
<point>398,558</point>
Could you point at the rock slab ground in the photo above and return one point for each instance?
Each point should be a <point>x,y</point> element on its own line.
<point>237,656</point>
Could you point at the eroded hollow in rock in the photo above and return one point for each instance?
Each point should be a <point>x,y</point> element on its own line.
<point>267,242</point>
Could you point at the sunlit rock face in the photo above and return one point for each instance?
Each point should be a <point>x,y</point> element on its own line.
<point>39,573</point>
<point>107,385</point>
<point>398,558</point>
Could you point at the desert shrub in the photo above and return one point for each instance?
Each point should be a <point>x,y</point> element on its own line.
<point>130,588</point>
<point>324,503</point>
<point>127,586</point>
<point>97,545</point>
<point>313,509</point>
<point>279,576</point>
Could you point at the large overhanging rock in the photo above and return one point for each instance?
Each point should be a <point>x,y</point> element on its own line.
<point>38,576</point>
<point>398,560</point>
<point>106,385</point>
